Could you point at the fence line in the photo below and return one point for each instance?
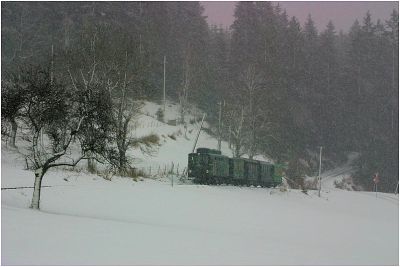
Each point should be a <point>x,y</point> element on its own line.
<point>163,170</point>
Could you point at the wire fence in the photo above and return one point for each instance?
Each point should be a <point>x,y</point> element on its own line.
<point>149,124</point>
<point>162,170</point>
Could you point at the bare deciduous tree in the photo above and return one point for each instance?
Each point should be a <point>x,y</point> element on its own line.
<point>186,82</point>
<point>66,117</point>
<point>235,118</point>
<point>246,124</point>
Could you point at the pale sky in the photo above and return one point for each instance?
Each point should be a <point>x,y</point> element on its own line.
<point>342,13</point>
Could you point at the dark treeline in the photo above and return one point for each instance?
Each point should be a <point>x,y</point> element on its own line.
<point>287,88</point>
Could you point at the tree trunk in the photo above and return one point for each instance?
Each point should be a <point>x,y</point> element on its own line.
<point>359,80</point>
<point>122,162</point>
<point>37,187</point>
<point>91,165</point>
<point>393,68</point>
<point>237,149</point>
<point>14,128</point>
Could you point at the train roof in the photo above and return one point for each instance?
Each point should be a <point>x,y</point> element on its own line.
<point>205,150</point>
<point>266,162</point>
<point>253,161</point>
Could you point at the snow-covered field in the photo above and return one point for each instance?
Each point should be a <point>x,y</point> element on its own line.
<point>86,220</point>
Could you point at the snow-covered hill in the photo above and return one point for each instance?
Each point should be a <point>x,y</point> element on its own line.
<point>86,220</point>
<point>176,142</point>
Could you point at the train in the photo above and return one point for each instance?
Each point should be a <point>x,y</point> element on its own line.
<point>209,166</point>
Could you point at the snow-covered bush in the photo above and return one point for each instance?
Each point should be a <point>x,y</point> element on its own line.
<point>160,115</point>
<point>346,183</point>
<point>311,183</point>
<point>147,144</point>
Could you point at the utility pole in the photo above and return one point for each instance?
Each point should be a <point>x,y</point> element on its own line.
<point>219,125</point>
<point>376,181</point>
<point>52,64</point>
<point>229,138</point>
<point>319,172</point>
<point>164,82</point>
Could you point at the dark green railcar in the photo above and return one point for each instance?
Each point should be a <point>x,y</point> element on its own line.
<point>251,171</point>
<point>197,165</point>
<point>203,150</point>
<point>266,173</point>
<point>218,170</point>
<point>208,166</point>
<point>203,169</point>
<point>278,173</point>
<point>236,171</point>
<point>215,151</point>
<point>193,165</point>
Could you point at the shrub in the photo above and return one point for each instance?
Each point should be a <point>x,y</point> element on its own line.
<point>133,173</point>
<point>160,115</point>
<point>172,122</point>
<point>346,184</point>
<point>107,174</point>
<point>311,183</point>
<point>150,140</point>
<point>91,166</point>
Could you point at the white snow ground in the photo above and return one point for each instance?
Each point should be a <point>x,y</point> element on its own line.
<point>86,220</point>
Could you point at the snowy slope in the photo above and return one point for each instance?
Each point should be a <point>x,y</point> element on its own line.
<point>172,151</point>
<point>86,220</point>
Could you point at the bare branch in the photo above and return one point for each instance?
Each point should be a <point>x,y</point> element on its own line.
<point>59,154</point>
<point>83,78</point>
<point>72,80</point>
<point>72,164</point>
